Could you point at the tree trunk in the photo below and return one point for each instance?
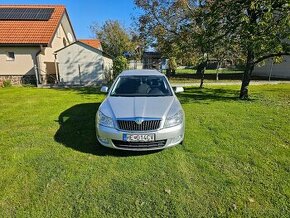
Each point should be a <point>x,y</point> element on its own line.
<point>173,72</point>
<point>167,73</point>
<point>247,75</point>
<point>202,73</point>
<point>199,69</point>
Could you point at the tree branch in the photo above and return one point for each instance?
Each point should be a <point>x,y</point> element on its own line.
<point>189,8</point>
<point>270,56</point>
<point>160,23</point>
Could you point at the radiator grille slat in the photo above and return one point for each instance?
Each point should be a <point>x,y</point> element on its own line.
<point>140,145</point>
<point>146,125</point>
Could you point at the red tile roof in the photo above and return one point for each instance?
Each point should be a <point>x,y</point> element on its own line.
<point>30,31</point>
<point>95,43</point>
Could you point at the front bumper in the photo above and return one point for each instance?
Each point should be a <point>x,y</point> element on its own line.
<point>169,137</point>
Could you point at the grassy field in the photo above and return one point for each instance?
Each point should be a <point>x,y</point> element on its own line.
<point>208,71</point>
<point>173,80</point>
<point>189,76</point>
<point>235,161</point>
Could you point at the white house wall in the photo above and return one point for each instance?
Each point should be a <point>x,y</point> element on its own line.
<point>81,64</point>
<point>279,70</point>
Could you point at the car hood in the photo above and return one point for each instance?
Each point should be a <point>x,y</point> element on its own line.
<point>128,107</point>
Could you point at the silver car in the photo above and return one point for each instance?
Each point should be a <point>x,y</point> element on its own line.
<point>141,112</point>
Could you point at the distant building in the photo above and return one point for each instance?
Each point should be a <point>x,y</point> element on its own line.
<point>135,65</point>
<point>272,70</point>
<point>151,60</point>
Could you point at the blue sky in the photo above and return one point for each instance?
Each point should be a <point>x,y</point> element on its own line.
<point>83,13</point>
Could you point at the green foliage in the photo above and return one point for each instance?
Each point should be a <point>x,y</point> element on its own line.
<point>120,64</point>
<point>157,25</point>
<point>261,28</point>
<point>239,31</point>
<point>234,162</point>
<point>116,39</point>
<point>182,29</point>
<point>172,64</point>
<point>278,60</point>
<point>6,83</point>
<point>258,26</point>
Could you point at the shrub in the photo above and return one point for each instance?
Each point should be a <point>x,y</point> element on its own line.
<point>172,66</point>
<point>7,83</point>
<point>119,64</point>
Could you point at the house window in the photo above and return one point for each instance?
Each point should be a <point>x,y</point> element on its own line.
<point>10,56</point>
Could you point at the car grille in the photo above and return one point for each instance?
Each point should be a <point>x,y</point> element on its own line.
<point>141,145</point>
<point>146,125</point>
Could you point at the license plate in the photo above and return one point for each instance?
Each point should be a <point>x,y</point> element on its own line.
<point>138,137</point>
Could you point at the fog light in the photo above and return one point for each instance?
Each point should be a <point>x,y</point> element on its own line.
<point>103,140</point>
<point>176,139</point>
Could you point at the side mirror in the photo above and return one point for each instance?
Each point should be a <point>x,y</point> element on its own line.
<point>104,89</point>
<point>178,89</point>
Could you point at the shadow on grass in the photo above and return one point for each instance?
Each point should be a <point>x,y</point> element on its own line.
<point>206,95</point>
<point>77,131</point>
<point>89,90</point>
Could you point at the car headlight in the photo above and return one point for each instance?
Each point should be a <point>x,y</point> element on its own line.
<point>174,120</point>
<point>104,120</point>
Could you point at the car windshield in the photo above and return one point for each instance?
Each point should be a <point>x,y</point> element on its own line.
<point>145,86</point>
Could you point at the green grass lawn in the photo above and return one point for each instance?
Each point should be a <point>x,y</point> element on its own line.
<point>208,71</point>
<point>235,161</point>
<point>206,81</point>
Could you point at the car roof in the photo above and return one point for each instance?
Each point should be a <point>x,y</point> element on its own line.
<point>141,73</point>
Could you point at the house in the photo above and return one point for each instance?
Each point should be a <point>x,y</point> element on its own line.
<point>151,60</point>
<point>83,63</point>
<point>272,70</point>
<point>29,36</point>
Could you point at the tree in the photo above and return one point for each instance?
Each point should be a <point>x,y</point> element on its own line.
<point>261,28</point>
<point>172,65</point>
<point>178,29</point>
<point>116,40</point>
<point>225,51</point>
<point>119,64</point>
<point>258,28</point>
